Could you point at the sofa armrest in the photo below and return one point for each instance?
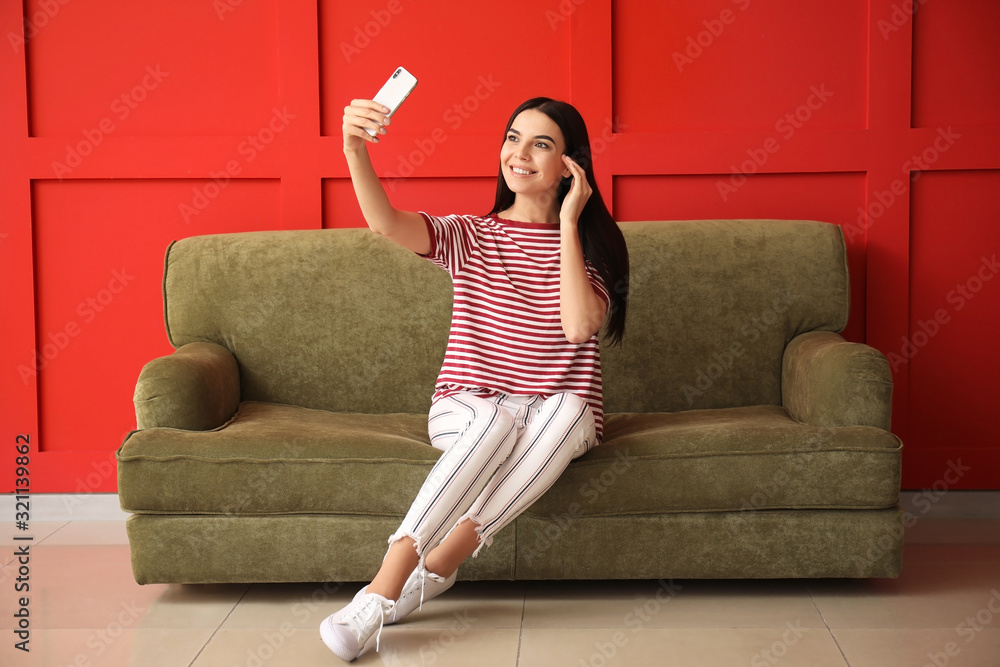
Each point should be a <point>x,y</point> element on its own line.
<point>827,381</point>
<point>196,388</point>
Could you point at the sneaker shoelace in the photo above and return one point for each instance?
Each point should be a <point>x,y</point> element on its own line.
<point>424,575</point>
<point>364,616</point>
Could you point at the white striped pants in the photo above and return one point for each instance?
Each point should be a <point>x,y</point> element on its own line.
<point>500,455</point>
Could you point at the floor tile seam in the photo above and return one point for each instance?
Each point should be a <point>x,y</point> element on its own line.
<point>64,525</point>
<point>219,626</point>
<point>829,630</point>
<point>520,628</point>
<point>36,544</point>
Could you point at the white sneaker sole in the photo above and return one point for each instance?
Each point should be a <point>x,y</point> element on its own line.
<point>344,645</point>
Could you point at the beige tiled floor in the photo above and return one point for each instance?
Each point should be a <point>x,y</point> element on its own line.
<point>86,610</point>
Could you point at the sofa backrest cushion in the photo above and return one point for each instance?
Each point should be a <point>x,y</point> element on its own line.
<point>712,305</point>
<point>345,320</point>
<point>338,319</point>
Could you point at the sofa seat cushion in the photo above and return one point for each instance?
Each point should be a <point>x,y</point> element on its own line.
<point>281,459</point>
<point>745,458</point>
<point>278,459</point>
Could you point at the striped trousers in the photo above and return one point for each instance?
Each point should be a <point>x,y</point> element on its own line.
<point>500,455</point>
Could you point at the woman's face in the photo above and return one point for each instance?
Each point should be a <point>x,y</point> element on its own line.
<point>531,155</point>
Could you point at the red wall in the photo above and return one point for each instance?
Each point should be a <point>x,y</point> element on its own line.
<point>125,125</point>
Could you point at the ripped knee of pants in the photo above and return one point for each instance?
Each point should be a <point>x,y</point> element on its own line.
<point>484,541</point>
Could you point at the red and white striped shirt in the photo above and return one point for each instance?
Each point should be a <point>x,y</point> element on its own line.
<point>506,334</point>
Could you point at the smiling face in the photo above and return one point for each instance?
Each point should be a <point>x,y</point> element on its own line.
<point>531,155</point>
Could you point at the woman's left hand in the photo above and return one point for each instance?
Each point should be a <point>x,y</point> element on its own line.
<point>579,193</point>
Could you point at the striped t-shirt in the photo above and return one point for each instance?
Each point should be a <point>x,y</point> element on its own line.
<point>506,334</point>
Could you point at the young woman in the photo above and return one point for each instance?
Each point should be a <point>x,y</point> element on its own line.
<point>519,395</point>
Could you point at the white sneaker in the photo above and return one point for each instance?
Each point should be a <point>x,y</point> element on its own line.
<point>409,598</point>
<point>420,587</point>
<point>347,631</point>
<point>338,616</point>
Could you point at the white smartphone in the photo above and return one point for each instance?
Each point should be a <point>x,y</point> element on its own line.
<point>395,90</point>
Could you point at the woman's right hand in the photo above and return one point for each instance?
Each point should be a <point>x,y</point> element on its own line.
<point>361,114</point>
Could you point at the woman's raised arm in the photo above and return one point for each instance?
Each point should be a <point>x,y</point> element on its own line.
<point>406,228</point>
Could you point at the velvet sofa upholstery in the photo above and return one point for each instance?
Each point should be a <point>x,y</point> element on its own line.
<point>285,437</point>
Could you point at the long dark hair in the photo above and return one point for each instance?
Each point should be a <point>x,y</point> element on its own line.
<point>601,239</point>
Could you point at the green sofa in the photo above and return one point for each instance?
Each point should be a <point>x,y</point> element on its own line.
<point>285,437</point>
